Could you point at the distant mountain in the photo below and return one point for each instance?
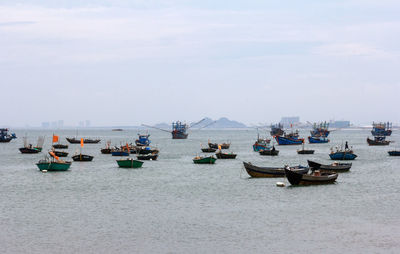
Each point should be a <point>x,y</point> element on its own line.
<point>222,123</point>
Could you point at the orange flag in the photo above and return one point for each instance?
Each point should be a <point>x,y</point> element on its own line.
<point>81,142</point>
<point>55,138</point>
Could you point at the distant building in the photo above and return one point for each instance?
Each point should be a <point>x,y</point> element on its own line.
<point>339,124</point>
<point>288,121</point>
<point>87,123</point>
<point>45,125</point>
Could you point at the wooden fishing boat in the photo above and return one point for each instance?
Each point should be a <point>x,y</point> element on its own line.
<point>129,163</point>
<point>289,140</point>
<point>342,155</point>
<point>147,150</point>
<point>120,152</point>
<point>378,141</point>
<point>82,157</point>
<point>208,150</point>
<point>272,152</point>
<point>304,151</point>
<point>60,146</point>
<point>316,177</point>
<point>60,153</point>
<point>336,167</point>
<point>85,140</point>
<point>106,151</point>
<point>217,146</point>
<point>53,165</point>
<point>204,160</point>
<point>151,157</point>
<point>221,155</point>
<point>317,140</point>
<point>381,129</point>
<point>5,137</point>
<point>258,172</point>
<point>394,153</point>
<point>261,144</point>
<point>30,150</point>
<point>277,130</point>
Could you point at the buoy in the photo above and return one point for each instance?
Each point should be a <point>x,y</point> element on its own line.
<point>280,184</point>
<point>44,170</point>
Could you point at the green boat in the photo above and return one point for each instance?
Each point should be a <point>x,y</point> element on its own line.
<point>129,163</point>
<point>204,160</point>
<point>53,165</point>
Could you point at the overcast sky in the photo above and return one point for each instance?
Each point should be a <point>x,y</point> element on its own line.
<point>151,61</point>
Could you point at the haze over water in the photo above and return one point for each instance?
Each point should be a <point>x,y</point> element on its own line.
<point>174,206</point>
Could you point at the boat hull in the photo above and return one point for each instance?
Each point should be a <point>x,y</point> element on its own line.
<point>106,151</point>
<point>316,140</point>
<point>205,160</point>
<point>179,135</point>
<point>129,163</point>
<point>208,150</point>
<point>381,133</point>
<point>30,150</point>
<point>270,172</point>
<point>61,154</point>
<point>269,152</point>
<point>53,166</point>
<point>85,141</point>
<point>394,153</point>
<point>377,143</point>
<point>120,153</point>
<point>60,146</point>
<point>342,156</point>
<point>288,141</point>
<point>226,155</point>
<point>82,157</point>
<point>295,178</point>
<point>339,167</point>
<point>151,157</point>
<point>305,151</point>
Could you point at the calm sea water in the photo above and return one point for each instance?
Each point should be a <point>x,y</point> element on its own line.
<point>174,206</point>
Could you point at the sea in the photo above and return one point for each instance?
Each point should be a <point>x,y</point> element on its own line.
<point>172,205</point>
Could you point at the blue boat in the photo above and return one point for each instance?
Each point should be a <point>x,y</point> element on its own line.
<point>179,130</point>
<point>5,137</point>
<point>289,140</point>
<point>120,153</point>
<point>261,144</point>
<point>320,130</point>
<point>277,130</point>
<point>343,155</point>
<point>317,140</point>
<point>143,140</point>
<point>381,129</point>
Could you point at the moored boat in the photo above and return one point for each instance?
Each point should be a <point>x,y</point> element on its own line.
<point>258,172</point>
<point>394,153</point>
<point>30,149</point>
<point>317,140</point>
<point>270,151</point>
<point>53,165</point>
<point>289,140</point>
<point>342,155</point>
<point>221,155</point>
<point>151,157</point>
<point>219,146</point>
<point>381,129</point>
<point>85,140</point>
<point>261,144</point>
<point>5,137</point>
<point>316,177</point>
<point>305,151</point>
<point>82,157</point>
<point>143,140</point>
<point>208,150</point>
<point>60,146</point>
<point>146,150</point>
<point>335,167</point>
<point>204,160</point>
<point>60,153</point>
<point>277,130</point>
<point>129,163</point>
<point>378,141</point>
<point>320,130</point>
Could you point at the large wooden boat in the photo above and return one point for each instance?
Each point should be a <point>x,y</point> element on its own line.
<point>258,172</point>
<point>316,177</point>
<point>204,160</point>
<point>335,167</point>
<point>221,155</point>
<point>82,157</point>
<point>129,163</point>
<point>85,140</point>
<point>378,141</point>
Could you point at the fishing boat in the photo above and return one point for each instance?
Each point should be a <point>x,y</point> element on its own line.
<point>342,155</point>
<point>219,146</point>
<point>5,137</point>
<point>291,138</point>
<point>143,140</point>
<point>316,177</point>
<point>335,167</point>
<point>54,164</point>
<point>320,130</point>
<point>378,141</point>
<point>394,153</point>
<point>317,140</point>
<point>208,150</point>
<point>221,155</point>
<point>381,129</point>
<point>261,144</point>
<point>30,149</point>
<point>147,150</point>
<point>122,151</point>
<point>204,160</point>
<point>80,156</point>
<point>107,149</point>
<point>305,151</point>
<point>277,130</point>
<point>85,140</point>
<point>258,172</point>
<point>269,151</point>
<point>179,129</point>
<point>151,157</point>
<point>60,153</point>
<point>129,163</point>
<point>60,146</point>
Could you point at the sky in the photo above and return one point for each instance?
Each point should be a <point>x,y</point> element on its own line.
<point>117,62</point>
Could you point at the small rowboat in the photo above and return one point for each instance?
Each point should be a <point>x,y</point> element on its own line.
<point>82,157</point>
<point>317,177</point>
<point>204,160</point>
<point>53,165</point>
<point>271,152</point>
<point>129,163</point>
<point>216,145</point>
<point>394,153</point>
<point>106,151</point>
<point>30,150</point>
<point>61,154</point>
<point>60,146</point>
<point>304,151</point>
<point>151,157</point>
<point>221,155</point>
<point>258,172</point>
<point>336,167</point>
<point>208,150</point>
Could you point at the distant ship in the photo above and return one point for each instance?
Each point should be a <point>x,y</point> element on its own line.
<point>5,137</point>
<point>179,130</point>
<point>277,130</point>
<point>381,129</point>
<point>320,130</point>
